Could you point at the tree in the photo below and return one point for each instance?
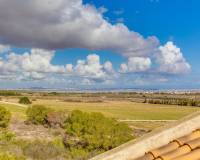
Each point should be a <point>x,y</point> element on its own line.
<point>5,116</point>
<point>94,132</point>
<point>37,114</point>
<point>24,100</point>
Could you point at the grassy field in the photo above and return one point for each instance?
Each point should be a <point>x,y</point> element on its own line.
<point>116,109</point>
<point>124,109</point>
<point>15,109</point>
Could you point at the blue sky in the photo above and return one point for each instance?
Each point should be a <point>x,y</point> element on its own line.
<point>116,57</point>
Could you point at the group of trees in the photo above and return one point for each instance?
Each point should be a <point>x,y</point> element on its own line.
<point>9,93</point>
<point>24,100</point>
<point>93,132</point>
<point>180,102</point>
<point>86,134</point>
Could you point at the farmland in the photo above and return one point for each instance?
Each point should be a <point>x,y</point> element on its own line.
<point>127,109</point>
<point>128,106</point>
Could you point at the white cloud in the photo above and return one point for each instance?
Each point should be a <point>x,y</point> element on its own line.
<point>34,65</point>
<point>54,24</point>
<point>108,67</point>
<point>4,48</point>
<point>136,64</point>
<point>37,65</point>
<point>69,68</point>
<point>171,59</point>
<point>91,68</point>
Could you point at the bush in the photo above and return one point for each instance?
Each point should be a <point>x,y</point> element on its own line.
<point>6,135</point>
<point>42,150</point>
<point>37,114</point>
<point>5,156</point>
<point>93,132</point>
<point>5,116</point>
<point>24,100</point>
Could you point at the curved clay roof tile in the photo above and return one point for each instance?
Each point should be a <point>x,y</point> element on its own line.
<point>175,153</point>
<point>192,136</point>
<point>194,143</point>
<point>147,156</point>
<point>167,148</point>
<point>194,155</point>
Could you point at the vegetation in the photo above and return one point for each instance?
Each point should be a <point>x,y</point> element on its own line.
<point>92,132</point>
<point>42,150</point>
<point>124,109</point>
<point>6,135</point>
<point>37,114</point>
<point>56,118</point>
<point>86,134</point>
<point>6,156</point>
<point>9,93</point>
<point>5,116</point>
<point>89,130</point>
<point>19,149</point>
<point>180,102</point>
<point>24,100</point>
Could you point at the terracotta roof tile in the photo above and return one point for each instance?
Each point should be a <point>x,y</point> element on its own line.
<point>183,148</point>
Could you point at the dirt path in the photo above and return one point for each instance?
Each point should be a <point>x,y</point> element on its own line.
<point>16,104</point>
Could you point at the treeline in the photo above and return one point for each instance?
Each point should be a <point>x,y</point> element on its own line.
<point>180,102</point>
<point>9,93</point>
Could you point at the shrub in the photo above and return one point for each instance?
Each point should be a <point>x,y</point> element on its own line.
<point>58,142</point>
<point>42,150</point>
<point>94,132</point>
<point>6,135</point>
<point>37,114</point>
<point>24,100</point>
<point>5,116</point>
<point>6,156</point>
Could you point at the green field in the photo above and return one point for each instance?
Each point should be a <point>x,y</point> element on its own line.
<point>117,109</point>
<point>124,109</point>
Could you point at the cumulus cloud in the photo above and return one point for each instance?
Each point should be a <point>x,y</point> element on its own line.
<point>37,65</point>
<point>62,24</point>
<point>171,59</point>
<point>33,65</point>
<point>69,68</point>
<point>108,67</point>
<point>92,68</point>
<point>136,64</point>
<point>57,24</point>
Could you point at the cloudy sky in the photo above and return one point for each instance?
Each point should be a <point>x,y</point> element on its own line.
<point>101,44</point>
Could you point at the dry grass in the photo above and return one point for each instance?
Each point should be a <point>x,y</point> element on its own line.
<point>117,109</point>
<point>124,109</point>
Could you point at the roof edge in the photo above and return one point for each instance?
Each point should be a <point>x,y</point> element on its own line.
<point>157,138</point>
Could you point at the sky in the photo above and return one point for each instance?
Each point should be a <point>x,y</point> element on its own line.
<point>99,44</point>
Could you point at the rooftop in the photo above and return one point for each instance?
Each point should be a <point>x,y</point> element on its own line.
<point>183,148</point>
<point>177,141</point>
